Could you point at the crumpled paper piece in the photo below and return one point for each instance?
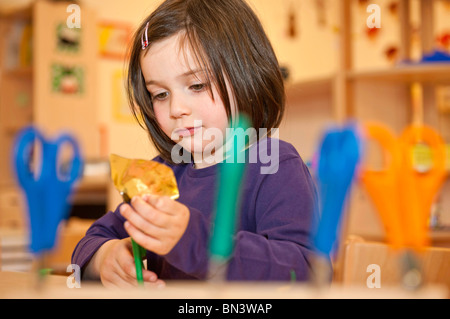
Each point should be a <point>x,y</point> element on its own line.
<point>137,177</point>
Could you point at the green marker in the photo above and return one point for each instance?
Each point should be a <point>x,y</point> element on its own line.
<point>138,251</point>
<point>231,172</point>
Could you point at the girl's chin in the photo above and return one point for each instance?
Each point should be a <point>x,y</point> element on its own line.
<point>207,148</point>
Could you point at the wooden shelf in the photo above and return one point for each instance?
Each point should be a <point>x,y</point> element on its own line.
<point>441,237</point>
<point>320,86</point>
<point>19,72</point>
<point>435,73</point>
<point>93,183</point>
<point>23,13</point>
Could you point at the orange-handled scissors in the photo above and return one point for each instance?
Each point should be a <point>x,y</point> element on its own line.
<point>383,186</point>
<point>427,184</point>
<point>402,195</point>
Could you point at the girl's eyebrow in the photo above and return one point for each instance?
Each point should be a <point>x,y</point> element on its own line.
<point>186,74</point>
<point>191,72</point>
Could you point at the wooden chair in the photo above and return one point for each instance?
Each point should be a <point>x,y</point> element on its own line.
<point>361,259</point>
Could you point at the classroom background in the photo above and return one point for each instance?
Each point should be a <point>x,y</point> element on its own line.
<point>339,66</point>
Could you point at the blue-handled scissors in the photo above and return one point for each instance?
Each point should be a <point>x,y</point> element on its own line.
<point>47,190</point>
<point>339,155</point>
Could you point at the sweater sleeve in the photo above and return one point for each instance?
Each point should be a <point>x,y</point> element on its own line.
<point>108,227</point>
<point>286,206</point>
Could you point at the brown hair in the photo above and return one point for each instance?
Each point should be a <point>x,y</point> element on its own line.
<point>228,41</point>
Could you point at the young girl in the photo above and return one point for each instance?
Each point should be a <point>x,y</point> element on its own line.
<point>194,66</point>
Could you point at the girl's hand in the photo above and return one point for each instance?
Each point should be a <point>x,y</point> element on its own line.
<point>155,223</point>
<point>115,265</point>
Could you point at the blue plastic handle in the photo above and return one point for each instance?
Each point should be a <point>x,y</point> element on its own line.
<point>338,158</point>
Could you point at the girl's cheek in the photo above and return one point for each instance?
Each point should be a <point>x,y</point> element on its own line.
<point>162,116</point>
<point>163,122</point>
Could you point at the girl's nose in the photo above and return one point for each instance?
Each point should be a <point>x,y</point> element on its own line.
<point>179,107</point>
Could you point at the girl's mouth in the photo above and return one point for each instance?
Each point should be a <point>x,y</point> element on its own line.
<point>187,131</point>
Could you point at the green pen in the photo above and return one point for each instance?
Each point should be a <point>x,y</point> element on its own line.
<point>138,251</point>
<point>231,172</point>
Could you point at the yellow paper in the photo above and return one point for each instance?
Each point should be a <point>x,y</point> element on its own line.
<point>137,177</point>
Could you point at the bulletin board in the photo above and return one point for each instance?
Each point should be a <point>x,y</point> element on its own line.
<point>114,38</point>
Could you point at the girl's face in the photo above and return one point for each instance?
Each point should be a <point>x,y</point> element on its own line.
<point>183,105</point>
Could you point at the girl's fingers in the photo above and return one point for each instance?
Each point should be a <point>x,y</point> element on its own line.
<point>156,284</point>
<point>145,227</point>
<point>146,212</point>
<point>150,280</point>
<point>124,282</point>
<point>143,239</point>
<point>118,278</point>
<point>127,268</point>
<point>149,276</point>
<point>119,271</point>
<point>139,221</point>
<point>162,203</point>
<point>151,228</point>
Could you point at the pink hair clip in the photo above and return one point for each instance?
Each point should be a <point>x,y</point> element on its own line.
<point>145,42</point>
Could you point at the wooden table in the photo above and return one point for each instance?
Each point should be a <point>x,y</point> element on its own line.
<point>22,285</point>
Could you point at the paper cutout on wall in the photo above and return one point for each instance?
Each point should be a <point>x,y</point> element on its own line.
<point>121,109</point>
<point>67,80</point>
<point>285,72</point>
<point>393,8</point>
<point>321,7</point>
<point>391,53</point>
<point>23,99</point>
<point>443,40</point>
<point>114,38</point>
<point>372,33</point>
<point>68,39</point>
<point>292,28</point>
<point>446,5</point>
<point>363,3</point>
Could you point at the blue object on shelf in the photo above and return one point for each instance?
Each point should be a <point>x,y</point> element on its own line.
<point>436,56</point>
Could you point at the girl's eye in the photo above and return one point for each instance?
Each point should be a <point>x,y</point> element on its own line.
<point>198,87</point>
<point>160,96</point>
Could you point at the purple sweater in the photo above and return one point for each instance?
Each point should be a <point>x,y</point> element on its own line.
<point>273,231</point>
